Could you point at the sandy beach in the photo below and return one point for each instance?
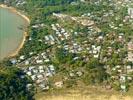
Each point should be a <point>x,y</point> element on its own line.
<point>25,33</point>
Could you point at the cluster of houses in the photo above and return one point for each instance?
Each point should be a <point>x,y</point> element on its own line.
<point>123,76</point>
<point>60,35</point>
<point>81,20</point>
<point>124,72</point>
<point>71,43</point>
<point>73,48</point>
<point>38,25</point>
<point>40,75</point>
<point>116,6</point>
<point>18,2</point>
<point>95,50</point>
<point>40,72</point>
<point>40,58</point>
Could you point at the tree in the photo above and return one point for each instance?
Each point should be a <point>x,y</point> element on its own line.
<point>95,72</point>
<point>63,56</point>
<point>13,85</point>
<point>93,63</point>
<point>95,76</point>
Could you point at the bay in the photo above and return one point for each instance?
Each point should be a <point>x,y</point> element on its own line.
<point>11,32</point>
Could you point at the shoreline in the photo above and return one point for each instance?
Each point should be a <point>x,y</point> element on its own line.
<point>25,34</point>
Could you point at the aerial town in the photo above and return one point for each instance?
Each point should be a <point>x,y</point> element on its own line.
<point>84,42</point>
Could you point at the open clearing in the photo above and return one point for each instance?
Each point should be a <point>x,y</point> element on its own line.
<point>88,93</point>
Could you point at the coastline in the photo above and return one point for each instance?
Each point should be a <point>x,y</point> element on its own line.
<point>25,34</point>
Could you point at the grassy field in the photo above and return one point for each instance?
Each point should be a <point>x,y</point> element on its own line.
<point>85,93</point>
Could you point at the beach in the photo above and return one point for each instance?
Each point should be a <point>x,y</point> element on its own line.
<point>25,34</point>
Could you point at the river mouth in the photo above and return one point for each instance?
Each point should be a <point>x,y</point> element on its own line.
<point>12,31</point>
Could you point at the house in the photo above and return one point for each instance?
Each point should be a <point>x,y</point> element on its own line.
<point>120,37</point>
<point>46,38</point>
<point>130,78</point>
<point>118,66</point>
<point>59,84</point>
<point>27,62</point>
<point>29,73</point>
<point>71,74</point>
<point>76,33</point>
<point>94,51</point>
<point>48,73</point>
<point>119,70</point>
<point>43,86</point>
<point>51,37</point>
<point>100,37</point>
<point>79,73</point>
<point>75,58</point>
<point>96,56</point>
<point>82,0</point>
<point>40,76</point>
<point>35,71</point>
<point>22,76</point>
<point>35,26</point>
<point>129,67</point>
<point>130,12</point>
<point>130,46</point>
<point>130,51</point>
<point>41,71</point>
<point>33,77</point>
<point>22,57</point>
<point>122,78</point>
<point>123,87</point>
<point>40,67</point>
<point>13,61</point>
<point>30,68</point>
<point>38,81</point>
<point>28,86</point>
<point>51,69</point>
<point>130,56</point>
<point>46,60</point>
<point>39,61</point>
<point>31,53</point>
<point>30,38</point>
<point>63,30</point>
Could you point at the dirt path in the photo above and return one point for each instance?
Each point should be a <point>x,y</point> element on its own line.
<point>85,97</point>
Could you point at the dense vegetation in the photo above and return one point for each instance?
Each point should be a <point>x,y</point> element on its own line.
<point>13,85</point>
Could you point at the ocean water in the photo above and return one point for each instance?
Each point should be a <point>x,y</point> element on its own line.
<point>11,32</point>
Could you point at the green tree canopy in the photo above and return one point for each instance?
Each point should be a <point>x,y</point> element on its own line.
<point>13,85</point>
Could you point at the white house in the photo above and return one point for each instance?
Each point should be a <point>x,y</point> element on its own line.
<point>130,12</point>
